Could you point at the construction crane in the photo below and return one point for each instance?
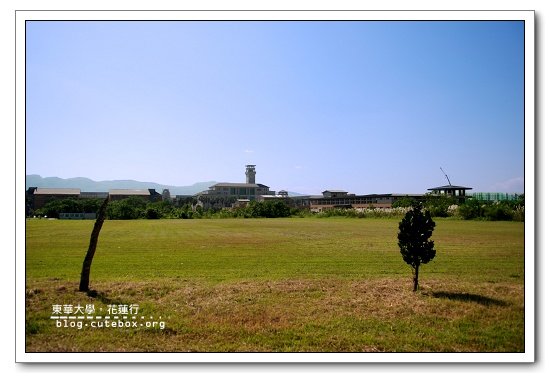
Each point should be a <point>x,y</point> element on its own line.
<point>446,176</point>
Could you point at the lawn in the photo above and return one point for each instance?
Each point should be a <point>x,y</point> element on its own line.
<point>276,285</point>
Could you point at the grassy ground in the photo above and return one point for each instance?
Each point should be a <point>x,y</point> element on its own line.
<point>278,285</point>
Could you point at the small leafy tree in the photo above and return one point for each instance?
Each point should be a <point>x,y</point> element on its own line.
<point>413,238</point>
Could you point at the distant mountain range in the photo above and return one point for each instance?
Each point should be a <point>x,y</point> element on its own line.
<point>88,185</point>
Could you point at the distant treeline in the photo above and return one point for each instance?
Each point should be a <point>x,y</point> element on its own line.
<point>138,208</point>
<point>444,206</point>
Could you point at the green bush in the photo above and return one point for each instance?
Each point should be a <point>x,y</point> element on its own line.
<point>152,213</point>
<point>497,212</point>
<point>519,214</point>
<point>128,208</point>
<point>404,202</point>
<point>470,209</point>
<point>300,212</point>
<point>492,211</point>
<point>397,212</point>
<point>438,205</point>
<point>264,209</point>
<point>69,205</point>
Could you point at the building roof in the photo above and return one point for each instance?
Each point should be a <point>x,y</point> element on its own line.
<point>94,194</point>
<point>406,195</point>
<point>129,192</point>
<point>56,191</point>
<point>357,196</point>
<point>335,191</point>
<point>236,185</point>
<point>450,187</point>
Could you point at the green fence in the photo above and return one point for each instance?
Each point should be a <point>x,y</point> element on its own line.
<point>495,196</point>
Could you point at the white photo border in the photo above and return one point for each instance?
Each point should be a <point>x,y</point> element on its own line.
<point>528,17</point>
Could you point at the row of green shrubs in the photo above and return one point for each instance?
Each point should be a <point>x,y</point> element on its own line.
<point>441,206</point>
<point>137,208</point>
<point>397,212</point>
<point>492,211</point>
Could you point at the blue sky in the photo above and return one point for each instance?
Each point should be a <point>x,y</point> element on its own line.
<point>367,107</point>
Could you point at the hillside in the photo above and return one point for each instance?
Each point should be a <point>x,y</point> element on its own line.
<point>88,185</point>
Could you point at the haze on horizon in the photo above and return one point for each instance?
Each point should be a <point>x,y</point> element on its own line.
<point>367,107</point>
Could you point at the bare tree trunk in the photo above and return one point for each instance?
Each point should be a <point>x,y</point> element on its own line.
<point>86,266</point>
<point>415,279</point>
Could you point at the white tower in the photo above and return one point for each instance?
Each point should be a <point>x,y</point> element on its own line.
<point>250,174</point>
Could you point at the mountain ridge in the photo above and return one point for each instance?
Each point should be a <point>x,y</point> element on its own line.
<point>89,185</point>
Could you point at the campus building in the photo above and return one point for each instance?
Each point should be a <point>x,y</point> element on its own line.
<point>41,196</point>
<point>37,198</point>
<point>458,192</point>
<point>340,199</point>
<point>249,190</point>
<point>94,195</point>
<point>343,200</point>
<point>150,195</point>
<point>226,194</point>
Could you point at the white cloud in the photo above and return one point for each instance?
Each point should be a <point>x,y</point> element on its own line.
<point>511,185</point>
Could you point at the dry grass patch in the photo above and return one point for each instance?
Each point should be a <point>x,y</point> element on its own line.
<point>290,315</point>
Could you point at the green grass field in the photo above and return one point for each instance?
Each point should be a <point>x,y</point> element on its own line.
<point>309,284</point>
